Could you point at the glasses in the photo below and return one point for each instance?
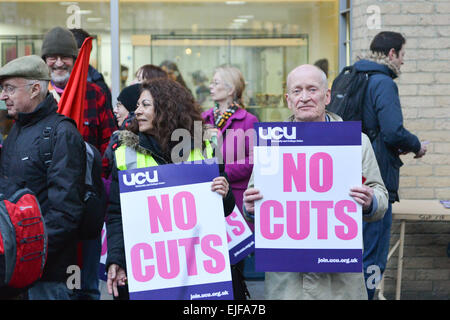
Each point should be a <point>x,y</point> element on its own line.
<point>53,59</point>
<point>9,89</point>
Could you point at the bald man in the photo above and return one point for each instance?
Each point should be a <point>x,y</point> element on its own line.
<point>307,96</point>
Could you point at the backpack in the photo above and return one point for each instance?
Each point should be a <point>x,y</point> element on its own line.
<point>94,196</point>
<point>347,93</point>
<point>23,239</point>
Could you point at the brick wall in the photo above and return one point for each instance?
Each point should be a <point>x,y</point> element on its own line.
<point>425,96</point>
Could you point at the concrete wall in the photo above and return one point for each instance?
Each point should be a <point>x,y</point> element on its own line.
<point>425,96</point>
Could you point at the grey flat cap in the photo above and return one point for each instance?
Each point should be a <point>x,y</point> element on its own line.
<point>28,67</point>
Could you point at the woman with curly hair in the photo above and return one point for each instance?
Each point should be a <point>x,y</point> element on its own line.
<point>163,106</point>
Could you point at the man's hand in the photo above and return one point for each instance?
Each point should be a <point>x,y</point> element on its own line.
<point>116,276</point>
<point>250,196</point>
<point>422,151</point>
<point>220,185</point>
<point>363,195</point>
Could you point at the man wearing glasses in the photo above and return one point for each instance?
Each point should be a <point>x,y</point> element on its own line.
<point>59,51</point>
<point>59,186</point>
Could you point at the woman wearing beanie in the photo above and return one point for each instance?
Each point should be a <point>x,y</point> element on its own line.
<point>124,113</point>
<point>126,104</point>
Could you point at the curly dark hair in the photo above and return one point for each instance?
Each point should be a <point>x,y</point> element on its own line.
<point>174,108</point>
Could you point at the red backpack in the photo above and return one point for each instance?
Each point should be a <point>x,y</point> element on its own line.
<point>23,238</point>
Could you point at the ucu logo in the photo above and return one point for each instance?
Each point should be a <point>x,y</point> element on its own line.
<point>277,133</point>
<point>139,178</point>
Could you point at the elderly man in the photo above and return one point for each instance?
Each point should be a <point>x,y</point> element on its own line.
<point>307,95</point>
<point>59,186</point>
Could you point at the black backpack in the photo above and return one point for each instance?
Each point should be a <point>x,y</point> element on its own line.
<point>347,93</point>
<point>95,195</point>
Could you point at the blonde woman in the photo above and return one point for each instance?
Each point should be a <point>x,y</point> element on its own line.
<point>233,126</point>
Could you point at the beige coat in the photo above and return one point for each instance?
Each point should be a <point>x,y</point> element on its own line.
<point>327,286</point>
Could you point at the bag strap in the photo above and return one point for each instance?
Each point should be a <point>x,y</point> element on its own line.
<point>47,143</point>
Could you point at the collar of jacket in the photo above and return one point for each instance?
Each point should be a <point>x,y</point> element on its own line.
<point>333,117</point>
<point>147,145</point>
<point>238,115</point>
<point>42,110</point>
<point>382,59</point>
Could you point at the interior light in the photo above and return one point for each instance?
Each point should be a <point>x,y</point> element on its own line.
<point>235,2</point>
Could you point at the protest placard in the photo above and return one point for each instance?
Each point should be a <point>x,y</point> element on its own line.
<point>241,241</point>
<point>102,272</point>
<point>307,221</point>
<point>174,233</point>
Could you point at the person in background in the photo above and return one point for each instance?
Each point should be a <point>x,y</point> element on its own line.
<point>5,122</point>
<point>201,90</point>
<point>323,65</point>
<point>382,119</point>
<point>163,106</point>
<point>172,71</point>
<point>59,51</point>
<point>148,72</point>
<point>233,126</point>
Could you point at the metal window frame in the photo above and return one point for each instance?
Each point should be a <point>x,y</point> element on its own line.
<point>345,33</point>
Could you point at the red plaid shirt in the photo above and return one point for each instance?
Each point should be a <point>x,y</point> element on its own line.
<point>98,119</point>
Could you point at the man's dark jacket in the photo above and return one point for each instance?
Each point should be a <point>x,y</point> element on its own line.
<point>383,122</point>
<point>59,188</point>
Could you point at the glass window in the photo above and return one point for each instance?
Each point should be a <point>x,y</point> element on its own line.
<point>264,39</point>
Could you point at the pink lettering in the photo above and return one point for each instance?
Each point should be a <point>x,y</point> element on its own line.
<point>161,259</point>
<point>178,210</point>
<point>240,228</point>
<point>341,215</point>
<point>207,244</point>
<point>189,250</point>
<point>159,214</point>
<point>322,217</point>
<point>147,253</point>
<point>315,170</point>
<point>265,214</point>
<point>293,172</point>
<point>296,221</point>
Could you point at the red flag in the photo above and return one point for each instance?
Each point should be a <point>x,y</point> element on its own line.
<point>71,103</point>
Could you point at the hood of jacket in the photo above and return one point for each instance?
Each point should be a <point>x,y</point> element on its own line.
<point>147,145</point>
<point>377,62</point>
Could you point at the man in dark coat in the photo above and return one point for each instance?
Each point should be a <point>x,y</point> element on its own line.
<point>383,122</point>
<point>58,185</point>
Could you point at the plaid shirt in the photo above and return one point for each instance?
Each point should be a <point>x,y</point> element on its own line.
<point>98,119</point>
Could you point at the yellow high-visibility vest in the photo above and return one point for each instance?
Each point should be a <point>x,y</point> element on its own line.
<point>128,158</point>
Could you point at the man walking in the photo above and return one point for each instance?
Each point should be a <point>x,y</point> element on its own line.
<point>59,183</point>
<point>382,120</point>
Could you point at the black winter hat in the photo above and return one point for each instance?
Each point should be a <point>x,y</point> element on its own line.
<point>129,96</point>
<point>59,41</point>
